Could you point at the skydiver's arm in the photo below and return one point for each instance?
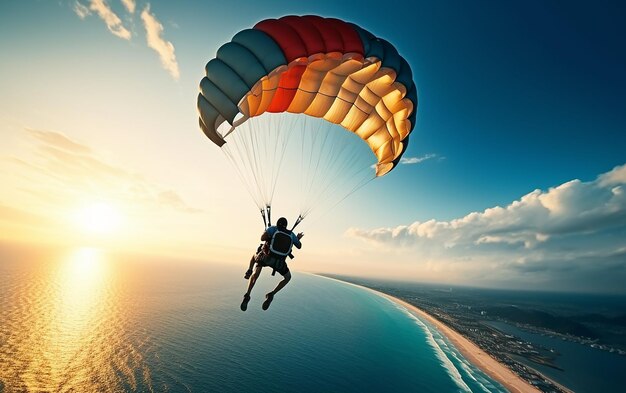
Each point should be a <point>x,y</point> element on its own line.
<point>296,241</point>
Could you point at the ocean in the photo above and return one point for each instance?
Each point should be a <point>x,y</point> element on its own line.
<point>82,320</point>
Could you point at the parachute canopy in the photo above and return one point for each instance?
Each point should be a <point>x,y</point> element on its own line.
<point>321,67</point>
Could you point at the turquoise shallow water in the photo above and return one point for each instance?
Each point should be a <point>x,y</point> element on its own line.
<point>85,321</point>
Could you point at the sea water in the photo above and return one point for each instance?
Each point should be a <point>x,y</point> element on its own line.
<point>83,320</point>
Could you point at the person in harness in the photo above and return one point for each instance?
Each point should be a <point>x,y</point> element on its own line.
<point>273,253</point>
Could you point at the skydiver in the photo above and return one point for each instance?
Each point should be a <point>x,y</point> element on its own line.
<point>273,253</point>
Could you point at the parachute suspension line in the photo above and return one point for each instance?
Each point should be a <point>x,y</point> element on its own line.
<point>288,131</point>
<point>319,159</point>
<point>268,143</point>
<point>329,183</point>
<point>264,160</point>
<point>333,161</point>
<point>332,155</point>
<point>361,184</point>
<point>343,168</point>
<point>257,150</point>
<point>314,150</point>
<point>353,167</point>
<point>238,167</point>
<point>275,130</point>
<point>259,146</point>
<point>244,162</point>
<point>355,189</point>
<point>305,169</point>
<point>255,166</point>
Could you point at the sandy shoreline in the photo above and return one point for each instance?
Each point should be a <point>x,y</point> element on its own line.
<point>468,349</point>
<point>472,352</point>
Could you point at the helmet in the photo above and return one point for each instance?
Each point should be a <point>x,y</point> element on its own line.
<point>282,222</point>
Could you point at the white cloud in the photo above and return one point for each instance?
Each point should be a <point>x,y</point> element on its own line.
<point>129,5</point>
<point>416,160</point>
<point>613,177</point>
<point>110,18</point>
<point>81,10</point>
<point>577,227</point>
<point>165,49</point>
<point>57,139</point>
<point>154,29</point>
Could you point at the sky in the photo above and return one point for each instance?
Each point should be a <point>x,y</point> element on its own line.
<point>514,177</point>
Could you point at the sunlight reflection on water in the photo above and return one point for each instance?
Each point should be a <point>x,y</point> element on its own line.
<point>65,331</point>
<point>89,321</point>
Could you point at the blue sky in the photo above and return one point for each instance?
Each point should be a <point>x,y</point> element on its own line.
<point>513,97</point>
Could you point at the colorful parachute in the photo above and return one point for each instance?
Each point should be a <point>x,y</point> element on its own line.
<point>322,67</point>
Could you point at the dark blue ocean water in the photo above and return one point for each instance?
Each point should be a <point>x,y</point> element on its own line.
<point>87,321</point>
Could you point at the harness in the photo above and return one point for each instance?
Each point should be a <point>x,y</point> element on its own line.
<point>280,247</point>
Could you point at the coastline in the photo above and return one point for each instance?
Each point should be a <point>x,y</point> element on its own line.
<point>472,352</point>
<point>496,370</point>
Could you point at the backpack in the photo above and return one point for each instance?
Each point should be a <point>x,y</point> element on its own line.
<point>281,243</point>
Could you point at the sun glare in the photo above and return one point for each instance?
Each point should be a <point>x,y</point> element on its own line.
<point>98,218</point>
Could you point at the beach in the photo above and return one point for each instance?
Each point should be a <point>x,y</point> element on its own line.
<point>468,349</point>
<point>472,352</point>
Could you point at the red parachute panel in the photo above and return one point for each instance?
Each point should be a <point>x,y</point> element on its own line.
<point>287,88</point>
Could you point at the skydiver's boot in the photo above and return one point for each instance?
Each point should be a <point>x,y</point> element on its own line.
<point>268,300</point>
<point>244,303</point>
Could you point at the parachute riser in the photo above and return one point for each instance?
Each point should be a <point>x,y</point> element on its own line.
<point>298,221</point>
<point>266,214</point>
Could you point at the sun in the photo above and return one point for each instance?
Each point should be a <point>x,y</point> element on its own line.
<point>98,218</point>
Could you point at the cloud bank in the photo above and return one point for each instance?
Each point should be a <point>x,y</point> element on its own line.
<point>110,18</point>
<point>572,236</point>
<point>72,170</point>
<point>165,49</point>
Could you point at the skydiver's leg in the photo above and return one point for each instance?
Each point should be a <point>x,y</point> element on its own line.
<point>253,279</point>
<point>246,296</point>
<point>251,265</point>
<point>252,261</point>
<point>270,296</point>
<point>281,285</point>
